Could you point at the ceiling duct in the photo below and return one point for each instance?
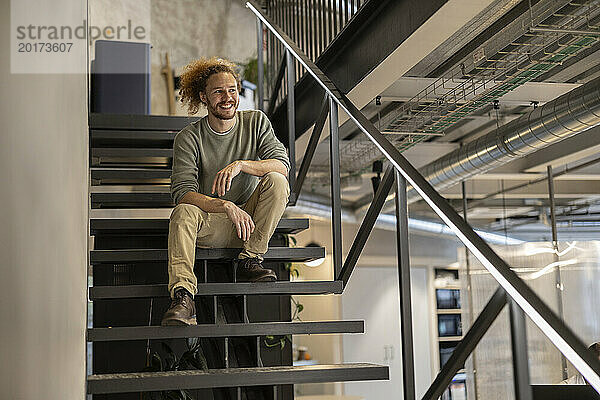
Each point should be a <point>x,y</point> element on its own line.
<point>563,117</point>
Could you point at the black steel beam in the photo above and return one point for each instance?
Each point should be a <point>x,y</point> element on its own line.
<point>274,254</point>
<point>406,324</point>
<point>456,361</point>
<point>119,225</point>
<point>310,151</point>
<point>233,377</point>
<point>139,122</point>
<point>224,330</point>
<point>221,289</point>
<point>367,224</point>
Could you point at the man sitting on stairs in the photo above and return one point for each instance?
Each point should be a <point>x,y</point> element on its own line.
<point>228,183</point>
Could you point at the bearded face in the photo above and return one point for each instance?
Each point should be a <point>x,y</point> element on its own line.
<point>221,96</point>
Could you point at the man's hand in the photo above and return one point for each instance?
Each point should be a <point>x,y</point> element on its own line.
<point>222,182</point>
<point>241,220</point>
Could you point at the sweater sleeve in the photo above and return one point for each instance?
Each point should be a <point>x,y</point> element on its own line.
<point>184,176</point>
<point>269,147</point>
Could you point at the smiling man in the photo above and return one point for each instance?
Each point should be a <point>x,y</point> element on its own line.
<point>228,183</point>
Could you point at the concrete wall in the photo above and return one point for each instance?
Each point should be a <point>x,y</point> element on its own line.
<point>43,228</point>
<point>190,29</point>
<point>186,30</point>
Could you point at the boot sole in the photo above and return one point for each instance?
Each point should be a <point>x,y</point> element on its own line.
<point>179,322</point>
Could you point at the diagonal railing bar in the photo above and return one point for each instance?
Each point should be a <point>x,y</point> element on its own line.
<point>367,224</point>
<point>465,347</point>
<point>310,151</point>
<point>540,313</point>
<point>277,87</point>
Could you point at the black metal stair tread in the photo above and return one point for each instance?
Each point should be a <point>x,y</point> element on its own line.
<point>138,122</point>
<point>275,254</point>
<point>158,199</point>
<point>233,377</point>
<point>130,173</point>
<point>132,135</point>
<point>224,330</point>
<point>119,225</point>
<point>131,152</point>
<point>221,289</point>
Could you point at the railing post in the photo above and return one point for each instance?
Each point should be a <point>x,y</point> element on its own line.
<point>291,114</point>
<point>557,277</point>
<point>336,201</point>
<point>406,332</point>
<point>518,337</point>
<point>260,65</point>
<point>469,289</point>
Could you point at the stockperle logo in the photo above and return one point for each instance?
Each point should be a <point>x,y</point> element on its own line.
<point>59,36</point>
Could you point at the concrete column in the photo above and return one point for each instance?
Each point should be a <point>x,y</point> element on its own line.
<point>43,227</point>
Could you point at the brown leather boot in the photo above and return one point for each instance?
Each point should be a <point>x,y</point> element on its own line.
<point>182,310</point>
<point>251,270</point>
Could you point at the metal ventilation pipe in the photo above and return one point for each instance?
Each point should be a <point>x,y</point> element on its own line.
<point>565,116</point>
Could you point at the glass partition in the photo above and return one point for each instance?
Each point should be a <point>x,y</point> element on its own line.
<point>567,279</point>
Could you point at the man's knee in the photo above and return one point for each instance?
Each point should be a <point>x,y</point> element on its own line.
<point>276,182</point>
<point>184,212</point>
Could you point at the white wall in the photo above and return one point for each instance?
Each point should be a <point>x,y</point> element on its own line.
<point>43,228</point>
<point>373,295</point>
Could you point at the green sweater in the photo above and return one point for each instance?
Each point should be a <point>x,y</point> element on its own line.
<point>199,153</point>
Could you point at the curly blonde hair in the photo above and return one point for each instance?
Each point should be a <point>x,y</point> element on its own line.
<point>194,77</point>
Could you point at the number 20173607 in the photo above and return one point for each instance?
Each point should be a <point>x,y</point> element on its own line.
<point>44,47</point>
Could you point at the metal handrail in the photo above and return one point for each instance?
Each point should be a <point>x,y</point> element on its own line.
<point>561,335</point>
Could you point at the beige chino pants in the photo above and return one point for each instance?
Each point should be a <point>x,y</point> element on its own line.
<point>191,227</point>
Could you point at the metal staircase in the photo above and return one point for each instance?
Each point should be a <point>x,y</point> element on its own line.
<point>130,171</point>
